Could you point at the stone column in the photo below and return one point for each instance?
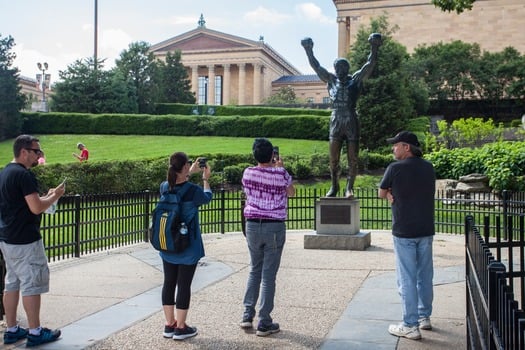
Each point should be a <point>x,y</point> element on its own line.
<point>242,84</point>
<point>342,43</point>
<point>211,84</point>
<point>195,81</point>
<point>226,85</point>
<point>257,83</point>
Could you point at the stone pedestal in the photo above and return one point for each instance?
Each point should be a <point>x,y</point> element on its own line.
<point>337,225</point>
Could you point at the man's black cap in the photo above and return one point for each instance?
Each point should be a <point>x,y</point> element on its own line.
<point>406,137</point>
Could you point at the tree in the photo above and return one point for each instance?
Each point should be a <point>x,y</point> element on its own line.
<point>174,85</point>
<point>459,71</point>
<point>139,66</point>
<point>454,5</point>
<point>285,95</point>
<point>83,88</point>
<point>496,75</point>
<point>446,69</point>
<point>11,98</point>
<point>390,95</point>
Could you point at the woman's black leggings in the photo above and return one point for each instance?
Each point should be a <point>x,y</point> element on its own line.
<point>179,276</point>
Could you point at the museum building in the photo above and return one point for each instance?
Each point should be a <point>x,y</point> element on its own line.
<point>227,69</point>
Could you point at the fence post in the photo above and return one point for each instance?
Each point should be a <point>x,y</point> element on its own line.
<point>146,215</point>
<point>77,226</point>
<point>505,209</point>
<point>243,219</point>
<point>315,209</point>
<point>223,211</point>
<point>469,220</point>
<point>494,269</point>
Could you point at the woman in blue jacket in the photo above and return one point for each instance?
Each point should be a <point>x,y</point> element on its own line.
<point>179,268</point>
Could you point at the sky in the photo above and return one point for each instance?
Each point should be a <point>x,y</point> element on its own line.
<point>60,32</point>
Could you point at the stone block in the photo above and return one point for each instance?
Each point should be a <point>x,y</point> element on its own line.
<point>337,216</point>
<point>358,241</point>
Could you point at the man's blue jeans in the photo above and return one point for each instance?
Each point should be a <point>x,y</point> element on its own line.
<point>415,271</point>
<point>265,243</point>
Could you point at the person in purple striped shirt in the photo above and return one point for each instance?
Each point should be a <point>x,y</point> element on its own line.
<point>267,187</point>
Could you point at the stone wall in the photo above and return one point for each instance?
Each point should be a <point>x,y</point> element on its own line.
<point>494,24</point>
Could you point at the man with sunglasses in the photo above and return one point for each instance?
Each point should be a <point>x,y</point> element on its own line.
<point>21,243</point>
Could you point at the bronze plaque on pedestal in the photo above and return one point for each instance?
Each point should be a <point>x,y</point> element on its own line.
<point>335,215</point>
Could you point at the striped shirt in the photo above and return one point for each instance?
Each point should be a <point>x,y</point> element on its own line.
<point>265,189</point>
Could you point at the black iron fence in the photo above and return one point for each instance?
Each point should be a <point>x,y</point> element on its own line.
<point>91,223</point>
<point>85,224</point>
<point>495,283</point>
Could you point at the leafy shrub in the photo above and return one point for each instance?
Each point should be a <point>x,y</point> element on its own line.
<point>320,164</point>
<point>369,160</point>
<point>233,173</point>
<point>516,123</point>
<point>502,162</point>
<point>301,170</point>
<point>467,132</point>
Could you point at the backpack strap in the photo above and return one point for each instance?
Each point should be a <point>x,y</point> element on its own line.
<point>164,187</point>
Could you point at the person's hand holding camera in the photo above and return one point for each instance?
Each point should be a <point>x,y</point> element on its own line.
<point>279,162</point>
<point>202,165</point>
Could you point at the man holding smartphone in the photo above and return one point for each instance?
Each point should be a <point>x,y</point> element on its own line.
<point>275,154</point>
<point>27,271</point>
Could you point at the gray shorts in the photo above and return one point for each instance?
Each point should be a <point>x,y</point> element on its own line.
<point>27,269</point>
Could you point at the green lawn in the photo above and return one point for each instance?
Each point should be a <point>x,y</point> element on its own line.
<point>58,148</point>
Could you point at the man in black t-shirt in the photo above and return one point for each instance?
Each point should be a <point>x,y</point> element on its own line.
<point>27,271</point>
<point>409,185</point>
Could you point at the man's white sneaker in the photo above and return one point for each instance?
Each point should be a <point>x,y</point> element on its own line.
<point>424,323</point>
<point>401,330</point>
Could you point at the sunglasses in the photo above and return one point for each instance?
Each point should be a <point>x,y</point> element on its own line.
<point>37,151</point>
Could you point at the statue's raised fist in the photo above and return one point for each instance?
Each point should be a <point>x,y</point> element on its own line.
<point>375,39</point>
<point>307,43</point>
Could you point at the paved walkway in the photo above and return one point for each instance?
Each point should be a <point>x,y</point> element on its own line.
<point>326,299</point>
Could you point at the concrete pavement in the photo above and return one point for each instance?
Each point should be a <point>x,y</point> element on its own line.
<point>326,299</point>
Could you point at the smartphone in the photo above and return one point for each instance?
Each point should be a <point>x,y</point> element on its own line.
<point>275,154</point>
<point>202,162</point>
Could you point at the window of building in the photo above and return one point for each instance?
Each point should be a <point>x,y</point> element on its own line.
<point>310,100</point>
<point>202,91</point>
<point>218,90</point>
<point>326,99</point>
<point>202,97</point>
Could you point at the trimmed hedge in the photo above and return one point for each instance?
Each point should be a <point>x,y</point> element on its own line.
<point>140,175</point>
<point>292,127</point>
<point>187,109</point>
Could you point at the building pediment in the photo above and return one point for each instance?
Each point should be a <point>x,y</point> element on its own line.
<point>204,39</point>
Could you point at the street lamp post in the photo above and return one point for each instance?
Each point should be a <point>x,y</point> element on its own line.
<point>43,81</point>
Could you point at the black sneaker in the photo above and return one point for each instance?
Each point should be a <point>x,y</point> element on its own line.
<point>246,323</point>
<point>13,337</point>
<point>46,336</point>
<point>264,330</point>
<point>169,330</point>
<point>183,333</point>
